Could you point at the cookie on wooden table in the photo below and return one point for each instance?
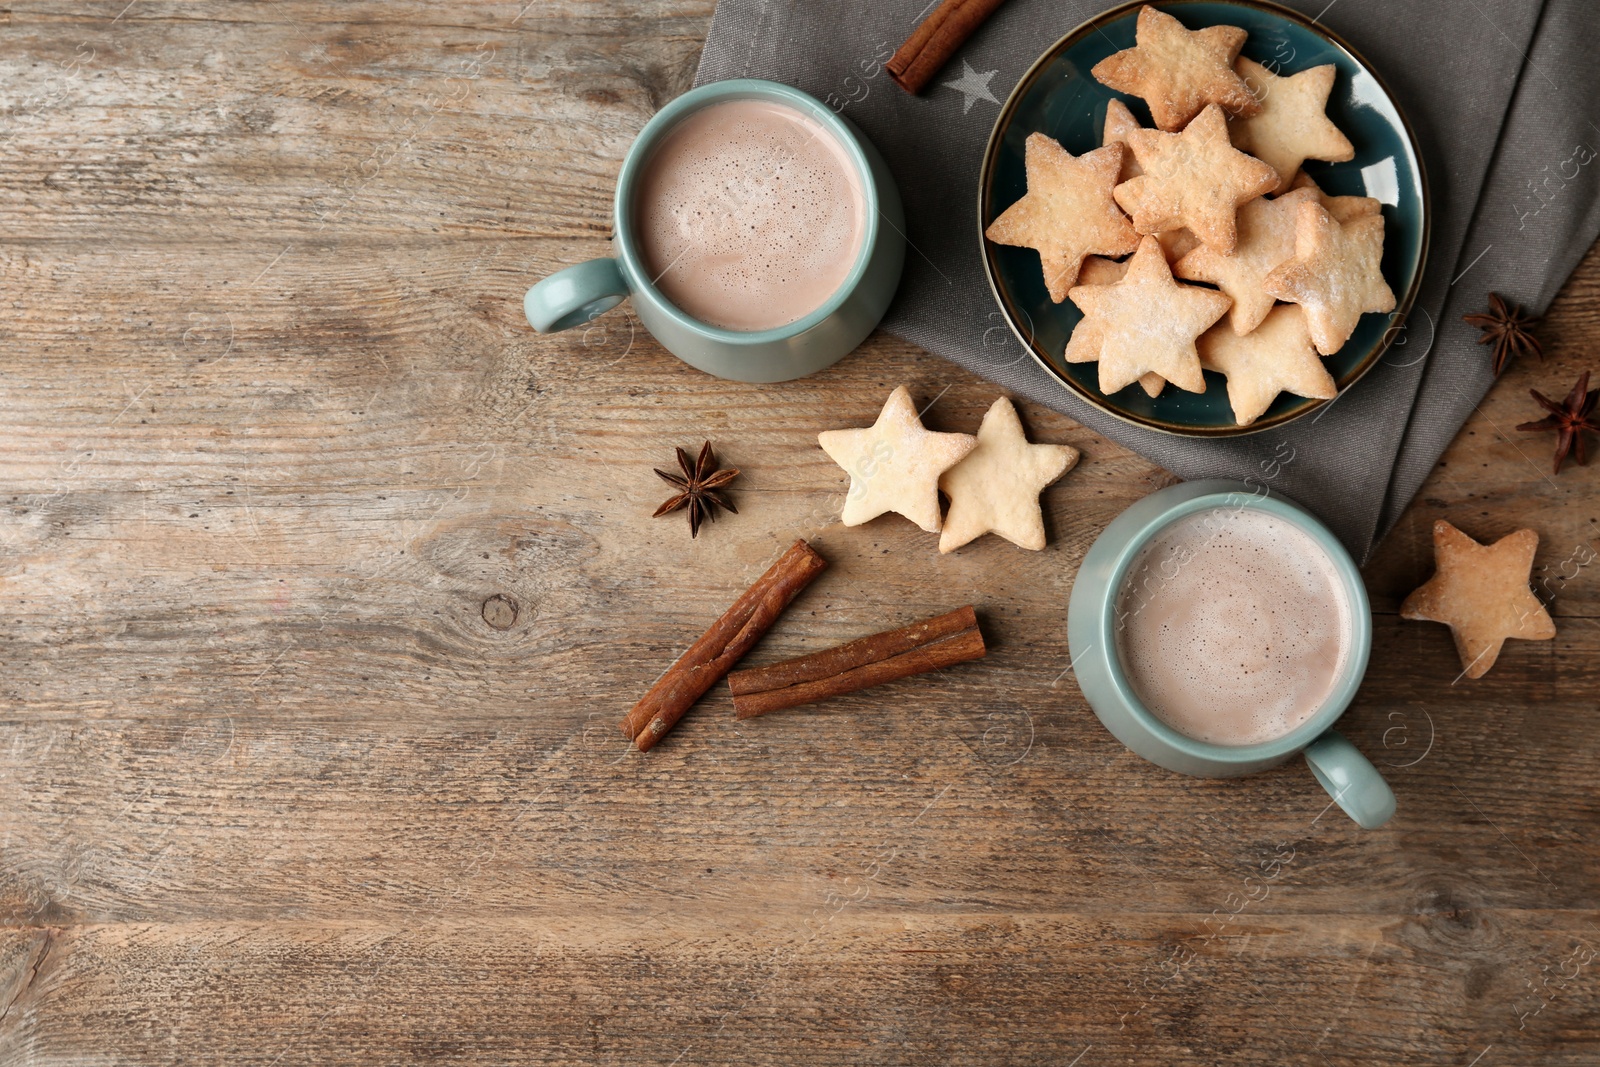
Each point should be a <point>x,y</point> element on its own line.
<point>1292,125</point>
<point>1481,592</point>
<point>1144,323</point>
<point>1178,71</point>
<point>996,488</point>
<point>1335,274</point>
<point>1068,211</point>
<point>1195,179</point>
<point>1266,235</point>
<point>895,464</point>
<point>1276,357</point>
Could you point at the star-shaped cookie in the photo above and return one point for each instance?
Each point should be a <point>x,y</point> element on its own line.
<point>1177,243</point>
<point>1099,271</point>
<point>1277,357</point>
<point>996,488</point>
<point>1266,230</point>
<point>1068,211</point>
<point>1119,120</point>
<point>1146,322</point>
<point>895,464</point>
<point>1335,274</point>
<point>1481,592</point>
<point>1178,71</point>
<point>1292,125</point>
<point>1195,179</point>
<point>1342,208</point>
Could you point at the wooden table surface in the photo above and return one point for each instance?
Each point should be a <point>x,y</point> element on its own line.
<point>325,582</point>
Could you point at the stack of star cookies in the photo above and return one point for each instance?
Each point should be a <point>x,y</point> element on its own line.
<point>1213,195</point>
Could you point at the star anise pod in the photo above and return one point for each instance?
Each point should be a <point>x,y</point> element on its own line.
<point>1569,419</point>
<point>697,488</point>
<point>1508,329</point>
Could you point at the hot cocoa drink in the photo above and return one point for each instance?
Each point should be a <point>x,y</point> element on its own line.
<point>749,215</point>
<point>1233,626</point>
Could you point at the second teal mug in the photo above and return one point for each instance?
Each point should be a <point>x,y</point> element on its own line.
<point>578,294</point>
<point>1348,776</point>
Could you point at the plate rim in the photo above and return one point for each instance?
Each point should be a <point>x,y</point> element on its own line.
<point>1403,307</point>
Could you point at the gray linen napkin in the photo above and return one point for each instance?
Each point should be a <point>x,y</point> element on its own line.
<point>1455,67</point>
<point>1538,215</point>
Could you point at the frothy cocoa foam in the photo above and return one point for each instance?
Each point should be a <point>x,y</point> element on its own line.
<point>1233,626</point>
<point>749,215</point>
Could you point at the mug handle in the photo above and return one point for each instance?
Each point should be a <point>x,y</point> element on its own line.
<point>574,296</point>
<point>1351,780</point>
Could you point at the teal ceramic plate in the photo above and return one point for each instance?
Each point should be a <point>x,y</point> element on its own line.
<point>1058,96</point>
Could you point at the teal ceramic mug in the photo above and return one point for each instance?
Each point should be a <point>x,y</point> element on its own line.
<point>578,294</point>
<point>1347,775</point>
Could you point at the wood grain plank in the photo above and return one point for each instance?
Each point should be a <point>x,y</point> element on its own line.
<point>945,988</point>
<point>324,582</point>
<point>1018,797</point>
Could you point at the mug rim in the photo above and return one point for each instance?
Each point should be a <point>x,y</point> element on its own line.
<point>1344,690</point>
<point>663,122</point>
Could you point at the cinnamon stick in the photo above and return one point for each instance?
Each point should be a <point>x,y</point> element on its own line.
<point>932,43</point>
<point>720,647</point>
<point>941,641</point>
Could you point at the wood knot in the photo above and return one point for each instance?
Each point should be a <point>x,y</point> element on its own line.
<point>500,612</point>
